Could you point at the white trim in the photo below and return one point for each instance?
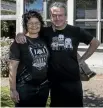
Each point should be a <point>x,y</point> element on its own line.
<point>86,46</point>
<point>99,18</point>
<point>19,13</point>
<point>8,17</point>
<point>70,12</point>
<point>44,10</point>
<point>0,13</point>
<point>86,20</point>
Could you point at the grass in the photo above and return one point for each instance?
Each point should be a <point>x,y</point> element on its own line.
<point>7,102</point>
<point>5,98</point>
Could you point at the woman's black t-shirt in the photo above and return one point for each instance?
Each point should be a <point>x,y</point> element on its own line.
<point>33,60</point>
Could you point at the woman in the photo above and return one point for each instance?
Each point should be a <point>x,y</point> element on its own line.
<point>28,65</point>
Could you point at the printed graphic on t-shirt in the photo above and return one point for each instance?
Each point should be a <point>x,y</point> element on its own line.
<point>39,55</point>
<point>61,43</point>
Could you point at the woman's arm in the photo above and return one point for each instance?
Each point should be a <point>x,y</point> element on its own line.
<point>13,65</point>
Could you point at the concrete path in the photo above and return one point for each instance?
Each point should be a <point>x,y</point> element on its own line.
<point>93,92</point>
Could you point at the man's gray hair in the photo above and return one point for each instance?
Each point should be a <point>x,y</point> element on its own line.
<point>59,5</point>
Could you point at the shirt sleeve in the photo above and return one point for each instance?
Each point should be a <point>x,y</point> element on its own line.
<point>85,37</point>
<point>14,53</point>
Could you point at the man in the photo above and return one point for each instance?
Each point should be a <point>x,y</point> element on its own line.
<point>63,40</point>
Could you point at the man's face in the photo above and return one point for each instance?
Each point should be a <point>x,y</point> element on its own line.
<point>58,17</point>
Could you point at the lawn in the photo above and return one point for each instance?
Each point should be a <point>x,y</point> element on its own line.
<point>6,101</point>
<point>5,98</point>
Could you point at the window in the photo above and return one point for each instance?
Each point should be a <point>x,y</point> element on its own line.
<point>8,18</point>
<point>48,5</point>
<point>102,9</point>
<point>8,7</point>
<point>88,18</point>
<point>8,28</point>
<point>84,8</point>
<point>33,5</point>
<point>102,33</point>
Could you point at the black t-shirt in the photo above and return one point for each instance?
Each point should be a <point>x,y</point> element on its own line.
<point>33,57</point>
<point>63,46</point>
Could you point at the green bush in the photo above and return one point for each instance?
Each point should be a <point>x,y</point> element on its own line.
<point>5,44</point>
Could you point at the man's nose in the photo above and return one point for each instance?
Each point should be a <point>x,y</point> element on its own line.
<point>57,17</point>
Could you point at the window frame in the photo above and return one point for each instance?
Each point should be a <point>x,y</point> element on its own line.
<point>99,19</point>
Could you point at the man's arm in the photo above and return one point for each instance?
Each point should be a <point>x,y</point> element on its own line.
<point>20,38</point>
<point>92,48</point>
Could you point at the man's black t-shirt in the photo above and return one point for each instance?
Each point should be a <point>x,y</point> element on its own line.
<point>33,57</point>
<point>63,46</point>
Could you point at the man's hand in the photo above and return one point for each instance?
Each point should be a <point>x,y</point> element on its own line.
<point>14,96</point>
<point>20,38</point>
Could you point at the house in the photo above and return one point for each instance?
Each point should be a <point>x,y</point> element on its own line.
<point>83,13</point>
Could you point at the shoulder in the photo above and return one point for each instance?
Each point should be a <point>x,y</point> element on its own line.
<point>73,28</point>
<point>14,44</point>
<point>46,29</point>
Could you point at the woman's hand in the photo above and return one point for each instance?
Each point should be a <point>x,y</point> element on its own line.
<point>14,96</point>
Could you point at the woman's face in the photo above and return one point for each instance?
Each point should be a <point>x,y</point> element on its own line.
<point>33,25</point>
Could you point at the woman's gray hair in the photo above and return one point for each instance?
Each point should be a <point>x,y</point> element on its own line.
<point>59,5</point>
